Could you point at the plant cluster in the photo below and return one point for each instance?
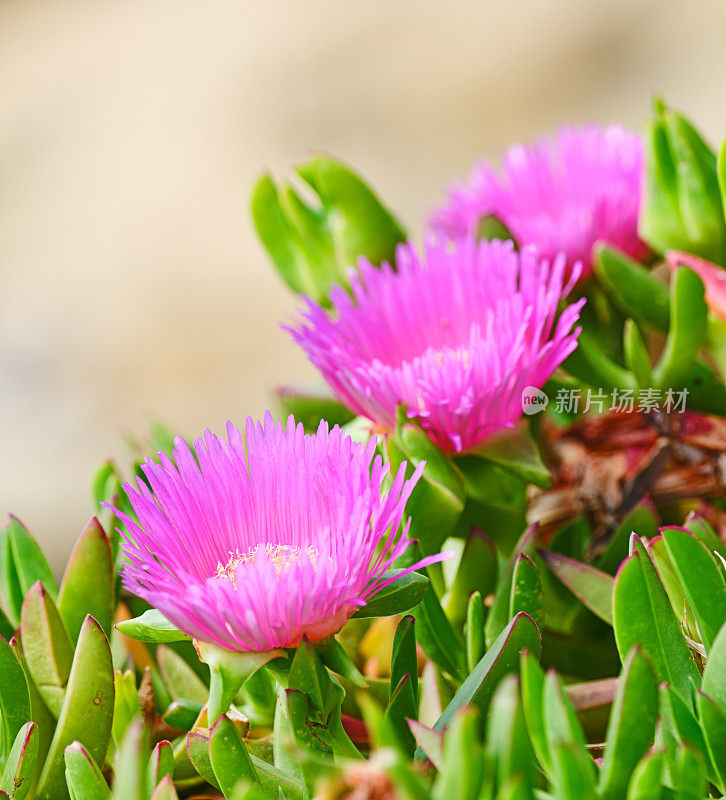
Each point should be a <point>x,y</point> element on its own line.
<point>486,563</point>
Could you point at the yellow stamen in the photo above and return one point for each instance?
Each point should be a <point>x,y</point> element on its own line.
<point>281,555</point>
<point>460,354</point>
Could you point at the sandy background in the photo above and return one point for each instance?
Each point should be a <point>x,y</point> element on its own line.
<point>131,284</point>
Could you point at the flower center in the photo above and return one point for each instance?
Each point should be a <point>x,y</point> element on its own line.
<point>281,555</point>
<point>460,354</point>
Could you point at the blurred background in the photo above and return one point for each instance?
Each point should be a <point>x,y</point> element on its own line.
<point>131,283</point>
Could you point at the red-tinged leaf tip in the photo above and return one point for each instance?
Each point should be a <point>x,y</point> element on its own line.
<point>712,275</point>
<point>76,747</point>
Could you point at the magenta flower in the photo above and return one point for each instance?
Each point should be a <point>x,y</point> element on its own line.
<point>562,194</point>
<point>455,337</point>
<point>251,550</point>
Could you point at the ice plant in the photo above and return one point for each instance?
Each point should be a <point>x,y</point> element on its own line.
<point>251,550</point>
<point>455,336</point>
<point>561,194</point>
<point>712,275</point>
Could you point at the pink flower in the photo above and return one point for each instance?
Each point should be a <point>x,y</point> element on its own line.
<point>562,194</point>
<point>454,336</point>
<point>251,550</point>
<point>712,275</point>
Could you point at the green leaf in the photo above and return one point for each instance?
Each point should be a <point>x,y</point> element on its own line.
<point>573,773</point>
<point>181,680</point>
<point>260,696</point>
<point>498,615</point>
<point>126,706</point>
<point>229,757</point>
<point>532,688</point>
<point>401,707</point>
<point>88,583</point>
<point>160,766</point>
<point>681,723</point>
<point>475,643</point>
<point>714,674</point>
<point>591,586</point>
<point>437,501</point>
<point>495,495</point>
<point>182,714</point>
<point>333,655</point>
<point>29,560</point>
<point>296,749</point>
<point>275,781</point>
<point>17,776</point>
<point>310,405</point>
<point>436,635</point>
<point>681,207</point>
<point>501,659</point>
<point>702,581</point>
<point>152,626</point>
<point>87,710</point>
<point>39,712</point>
<point>84,779</point>
<point>47,647</point>
<point>632,725</point>
<point>129,768</point>
<point>477,572</point>
<point>515,788</point>
<point>429,741</point>
<point>464,765</point>
<point>490,227</point>
<point>698,189</point>
<point>229,671</point>
<point>14,695</point>
<point>309,676</point>
<point>642,614</point>
<point>515,450</point>
<point>721,173</point>
<point>636,355</point>
<point>527,593</point>
<point>632,287</point>
<point>165,790</point>
<point>591,366</point>
<point>689,779</point>
<point>647,780</point>
<point>11,595</point>
<point>672,584</point>
<point>104,483</point>
<point>312,247</point>
<point>642,520</point>
<point>403,693</point>
<point>198,751</point>
<point>6,627</point>
<point>358,222</point>
<point>279,237</point>
<point>706,391</point>
<point>507,735</point>
<point>700,528</point>
<point>404,659</point>
<point>562,724</point>
<point>400,595</point>
<point>573,539</point>
<point>713,725</point>
<point>687,330</point>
